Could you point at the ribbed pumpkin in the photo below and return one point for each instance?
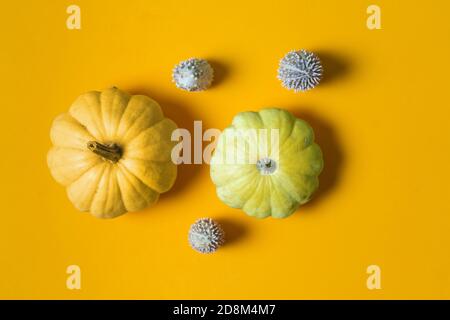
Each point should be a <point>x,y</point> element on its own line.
<point>112,151</point>
<point>278,182</point>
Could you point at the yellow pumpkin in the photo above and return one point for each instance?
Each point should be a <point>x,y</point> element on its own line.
<point>112,151</point>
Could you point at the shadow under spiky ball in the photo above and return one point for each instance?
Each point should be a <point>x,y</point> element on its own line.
<point>300,70</point>
<point>193,75</point>
<point>206,235</point>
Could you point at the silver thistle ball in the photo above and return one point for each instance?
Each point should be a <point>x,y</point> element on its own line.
<point>300,70</point>
<point>206,235</point>
<point>193,75</point>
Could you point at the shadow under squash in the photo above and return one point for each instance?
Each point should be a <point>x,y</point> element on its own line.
<point>234,231</point>
<point>221,71</point>
<point>334,66</point>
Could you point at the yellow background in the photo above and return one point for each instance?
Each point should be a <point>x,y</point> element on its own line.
<point>381,116</point>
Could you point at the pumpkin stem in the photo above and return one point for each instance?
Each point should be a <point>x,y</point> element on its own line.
<point>111,152</point>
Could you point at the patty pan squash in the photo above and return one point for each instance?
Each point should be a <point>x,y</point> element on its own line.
<point>282,177</point>
<point>112,151</point>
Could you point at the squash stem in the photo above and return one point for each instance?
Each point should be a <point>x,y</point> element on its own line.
<point>111,152</point>
<point>266,166</point>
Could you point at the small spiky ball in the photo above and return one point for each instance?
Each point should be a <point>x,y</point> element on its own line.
<point>193,75</point>
<point>206,235</point>
<point>300,70</point>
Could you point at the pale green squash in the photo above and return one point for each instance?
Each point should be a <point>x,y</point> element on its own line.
<point>274,183</point>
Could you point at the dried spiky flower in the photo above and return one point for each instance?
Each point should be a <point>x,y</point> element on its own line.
<point>193,75</point>
<point>300,70</point>
<point>206,235</point>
